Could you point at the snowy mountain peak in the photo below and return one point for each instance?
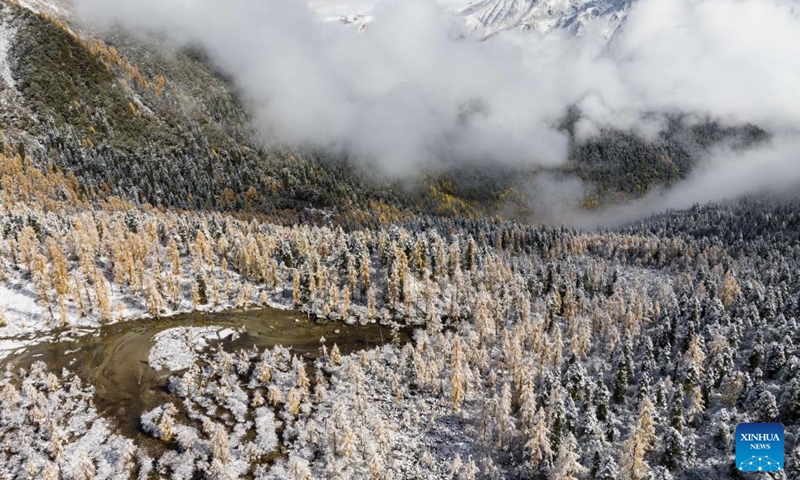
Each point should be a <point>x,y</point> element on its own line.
<point>494,16</point>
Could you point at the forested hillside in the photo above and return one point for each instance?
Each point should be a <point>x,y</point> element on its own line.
<point>629,354</point>
<point>130,117</point>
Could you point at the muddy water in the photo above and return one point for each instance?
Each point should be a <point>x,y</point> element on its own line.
<point>115,358</point>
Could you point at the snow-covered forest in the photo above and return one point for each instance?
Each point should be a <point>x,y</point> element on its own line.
<point>539,352</point>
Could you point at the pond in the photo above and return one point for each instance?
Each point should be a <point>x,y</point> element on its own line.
<point>114,359</point>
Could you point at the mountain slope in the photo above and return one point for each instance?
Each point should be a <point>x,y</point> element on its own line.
<point>130,117</point>
<point>494,16</point>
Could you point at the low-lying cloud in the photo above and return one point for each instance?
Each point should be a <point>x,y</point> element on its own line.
<point>418,89</point>
<point>725,174</point>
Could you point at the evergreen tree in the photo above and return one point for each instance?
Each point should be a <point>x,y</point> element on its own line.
<point>793,464</point>
<point>757,353</point>
<point>691,364</point>
<point>721,363</point>
<point>597,464</point>
<point>777,359</point>
<point>660,473</point>
<point>678,450</point>
<point>765,406</point>
<point>600,400</point>
<point>609,470</point>
<point>623,371</point>
<point>791,402</point>
<point>505,421</point>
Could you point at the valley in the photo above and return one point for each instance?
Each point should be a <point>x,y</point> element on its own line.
<point>189,291</point>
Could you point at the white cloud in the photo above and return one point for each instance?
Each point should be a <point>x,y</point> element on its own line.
<point>416,88</point>
<point>724,175</point>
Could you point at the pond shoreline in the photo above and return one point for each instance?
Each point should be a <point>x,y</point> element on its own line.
<point>116,361</point>
<point>12,345</point>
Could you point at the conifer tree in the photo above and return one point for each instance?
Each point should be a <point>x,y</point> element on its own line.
<point>376,465</point>
<point>793,463</point>
<point>567,465</point>
<point>102,296</point>
<point>166,427</point>
<point>777,359</point>
<point>600,400</point>
<point>274,396</point>
<point>790,405</point>
<point>676,454</point>
<point>336,356</point>
<point>220,444</point>
<point>298,469</point>
<point>505,421</point>
<point>766,408</point>
<point>455,466</point>
<point>347,445</point>
<point>174,257</point>
<point>302,381</point>
<point>293,400</point>
<point>155,301</point>
<point>537,446</point>
<point>697,404</point>
<point>85,469</point>
<point>691,364</point>
<point>609,470</point>
<point>458,382</point>
<point>296,293</point>
<point>624,372</point>
<point>640,440</point>
<point>527,408</point>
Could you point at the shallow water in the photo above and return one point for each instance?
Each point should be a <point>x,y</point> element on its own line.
<point>114,359</point>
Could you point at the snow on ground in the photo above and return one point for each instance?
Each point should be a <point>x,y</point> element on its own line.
<point>76,442</point>
<point>177,348</point>
<point>21,307</point>
<point>55,8</point>
<point>9,346</point>
<point>26,318</point>
<point>7,33</point>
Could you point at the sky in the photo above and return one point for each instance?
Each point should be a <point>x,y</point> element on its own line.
<point>418,89</point>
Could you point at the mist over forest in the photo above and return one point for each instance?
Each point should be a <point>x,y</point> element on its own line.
<point>418,90</point>
<point>410,239</point>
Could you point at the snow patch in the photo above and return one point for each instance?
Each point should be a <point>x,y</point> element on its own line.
<point>9,346</point>
<point>226,332</point>
<point>177,348</point>
<point>21,307</point>
<point>55,8</point>
<point>7,33</point>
